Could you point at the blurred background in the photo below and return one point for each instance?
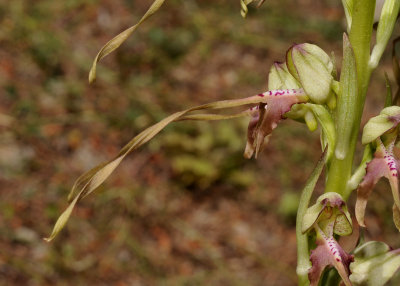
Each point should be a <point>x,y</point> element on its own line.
<point>186,209</point>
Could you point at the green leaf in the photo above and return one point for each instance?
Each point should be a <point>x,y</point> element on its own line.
<point>387,20</point>
<point>348,10</point>
<point>303,262</point>
<point>374,264</point>
<point>91,180</point>
<point>115,42</point>
<point>347,99</point>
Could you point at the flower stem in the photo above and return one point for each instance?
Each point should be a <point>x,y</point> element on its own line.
<point>360,39</point>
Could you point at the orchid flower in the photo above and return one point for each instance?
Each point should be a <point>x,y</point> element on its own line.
<point>291,83</point>
<point>384,164</point>
<point>328,216</point>
<point>266,116</point>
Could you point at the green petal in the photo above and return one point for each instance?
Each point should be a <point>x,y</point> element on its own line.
<point>280,78</point>
<point>378,125</point>
<point>312,67</point>
<point>341,216</point>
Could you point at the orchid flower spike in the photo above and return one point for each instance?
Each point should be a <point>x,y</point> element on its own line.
<point>384,164</point>
<point>328,216</point>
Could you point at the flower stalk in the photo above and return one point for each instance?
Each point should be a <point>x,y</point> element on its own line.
<point>360,40</point>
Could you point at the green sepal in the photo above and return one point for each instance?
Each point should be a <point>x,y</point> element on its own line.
<point>330,207</point>
<point>280,78</point>
<point>311,114</point>
<point>374,264</point>
<point>328,127</point>
<point>303,114</point>
<point>378,125</point>
<point>312,68</point>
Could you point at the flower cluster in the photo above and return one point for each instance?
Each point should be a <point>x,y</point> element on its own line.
<point>381,130</point>
<point>306,76</point>
<point>328,216</point>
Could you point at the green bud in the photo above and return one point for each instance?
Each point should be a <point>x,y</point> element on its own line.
<point>330,207</point>
<point>378,125</point>
<point>331,102</point>
<point>312,68</point>
<point>310,120</point>
<point>386,24</point>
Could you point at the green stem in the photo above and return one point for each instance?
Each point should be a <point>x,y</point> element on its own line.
<point>360,39</point>
<point>303,255</point>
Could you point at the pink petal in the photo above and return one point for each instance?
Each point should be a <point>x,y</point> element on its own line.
<point>383,165</point>
<point>269,115</point>
<point>329,253</point>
